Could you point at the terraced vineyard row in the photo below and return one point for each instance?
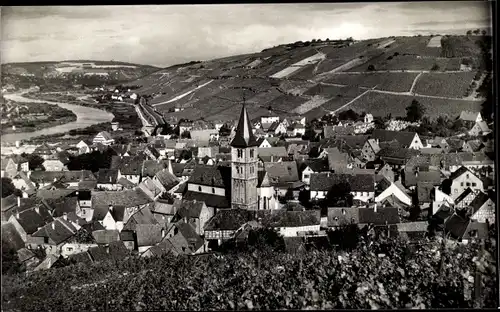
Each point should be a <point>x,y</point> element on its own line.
<point>444,84</point>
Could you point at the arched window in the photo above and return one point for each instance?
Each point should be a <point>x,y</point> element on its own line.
<point>213,190</point>
<point>240,153</point>
<point>251,153</point>
<point>199,188</point>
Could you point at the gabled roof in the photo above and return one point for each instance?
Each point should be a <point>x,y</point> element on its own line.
<point>277,151</point>
<point>403,137</point>
<point>189,233</point>
<point>143,216</point>
<point>188,209</point>
<point>167,179</point>
<point>358,183</point>
<point>244,136</point>
<point>282,173</point>
<point>151,167</point>
<point>148,234</point>
<point>228,219</point>
<point>343,216</point>
<point>431,176</point>
<point>374,146</point>
<point>127,198</point>
<point>379,217</point>
<point>317,164</point>
<point>460,171</point>
<point>58,231</point>
<point>98,253</point>
<point>106,236</point>
<point>456,226</point>
<point>105,135</point>
<point>480,199</point>
<point>469,116</point>
<point>216,176</point>
<point>11,237</point>
<point>107,176</point>
<point>211,200</point>
<point>331,131</point>
<point>64,206</point>
<point>418,226</point>
<point>164,207</point>
<point>424,192</point>
<point>30,220</point>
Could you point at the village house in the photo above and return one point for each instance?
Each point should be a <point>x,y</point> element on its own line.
<point>14,164</point>
<point>107,180</point>
<point>224,224</point>
<point>263,143</point>
<point>482,208</point>
<point>55,163</point>
<point>370,150</point>
<point>470,116</point>
<point>387,189</point>
<point>311,166</point>
<point>291,223</point>
<point>284,177</point>
<point>480,128</point>
<point>185,126</point>
<point>194,213</point>
<point>210,184</point>
<point>409,140</point>
<point>103,138</point>
<point>462,179</point>
<point>362,185</point>
<point>24,184</point>
<point>84,147</point>
<point>267,198</point>
<point>272,154</point>
<point>54,235</point>
<point>338,161</point>
<point>183,237</point>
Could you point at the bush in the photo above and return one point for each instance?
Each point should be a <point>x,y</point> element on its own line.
<point>435,67</point>
<point>371,67</point>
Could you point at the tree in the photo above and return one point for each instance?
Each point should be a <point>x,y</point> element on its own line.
<point>224,130</point>
<point>415,111</point>
<point>371,67</point>
<point>483,32</point>
<point>186,154</point>
<point>487,107</point>
<point>35,162</point>
<point>476,31</point>
<point>8,188</point>
<point>314,152</point>
<point>469,32</point>
<point>186,134</point>
<point>339,195</point>
<point>435,67</point>
<point>264,238</point>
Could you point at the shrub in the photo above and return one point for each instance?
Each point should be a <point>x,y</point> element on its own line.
<point>435,67</point>
<point>371,67</point>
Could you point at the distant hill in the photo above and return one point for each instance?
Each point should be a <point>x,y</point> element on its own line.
<point>379,76</point>
<point>50,75</point>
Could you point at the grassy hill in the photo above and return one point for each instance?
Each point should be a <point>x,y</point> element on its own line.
<point>52,76</point>
<point>378,76</point>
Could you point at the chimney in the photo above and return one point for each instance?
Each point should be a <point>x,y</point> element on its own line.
<point>18,201</point>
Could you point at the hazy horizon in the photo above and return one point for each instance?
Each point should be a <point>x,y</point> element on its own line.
<point>165,35</point>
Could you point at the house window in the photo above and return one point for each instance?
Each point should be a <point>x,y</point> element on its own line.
<point>69,249</point>
<point>240,153</point>
<point>467,176</point>
<point>251,169</point>
<point>306,176</point>
<point>213,190</point>
<point>199,188</point>
<point>474,184</point>
<point>251,153</point>
<point>468,183</point>
<point>461,183</point>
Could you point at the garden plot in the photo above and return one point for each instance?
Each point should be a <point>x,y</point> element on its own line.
<point>396,82</point>
<point>380,104</point>
<point>349,94</point>
<point>194,86</point>
<point>208,90</point>
<point>327,91</point>
<point>265,97</point>
<point>329,65</point>
<point>452,85</point>
<point>215,105</point>
<point>411,63</point>
<point>313,103</point>
<point>189,113</point>
<point>304,73</point>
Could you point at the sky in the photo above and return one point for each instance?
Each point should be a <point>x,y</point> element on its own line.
<point>164,35</point>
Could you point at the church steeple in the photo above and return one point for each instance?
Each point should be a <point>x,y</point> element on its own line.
<point>244,136</point>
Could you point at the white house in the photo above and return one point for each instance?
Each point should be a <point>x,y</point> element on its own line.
<point>362,185</point>
<point>470,116</point>
<point>83,147</point>
<point>263,143</point>
<point>462,179</point>
<point>104,138</point>
<point>440,198</point>
<point>483,208</point>
<point>396,190</point>
<point>479,128</point>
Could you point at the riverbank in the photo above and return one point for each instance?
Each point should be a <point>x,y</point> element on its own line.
<point>85,117</point>
<point>30,117</point>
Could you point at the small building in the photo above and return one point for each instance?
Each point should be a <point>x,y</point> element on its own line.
<point>103,138</point>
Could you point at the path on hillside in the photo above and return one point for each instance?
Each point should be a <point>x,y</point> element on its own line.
<point>414,83</point>
<point>184,94</point>
<point>398,71</point>
<point>352,101</point>
<point>426,96</point>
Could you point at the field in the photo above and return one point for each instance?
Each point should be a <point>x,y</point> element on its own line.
<point>444,84</point>
<point>380,104</point>
<point>396,82</point>
<point>329,64</point>
<point>286,103</point>
<point>327,91</point>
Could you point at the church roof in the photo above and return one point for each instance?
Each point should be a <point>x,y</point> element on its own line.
<point>244,136</point>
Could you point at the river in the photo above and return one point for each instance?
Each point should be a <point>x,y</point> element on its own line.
<point>85,116</point>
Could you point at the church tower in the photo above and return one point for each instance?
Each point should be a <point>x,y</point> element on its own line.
<point>244,165</point>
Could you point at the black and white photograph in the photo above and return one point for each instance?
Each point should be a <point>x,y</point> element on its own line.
<point>248,156</point>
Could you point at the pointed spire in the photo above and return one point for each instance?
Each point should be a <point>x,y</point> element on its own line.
<point>244,136</point>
